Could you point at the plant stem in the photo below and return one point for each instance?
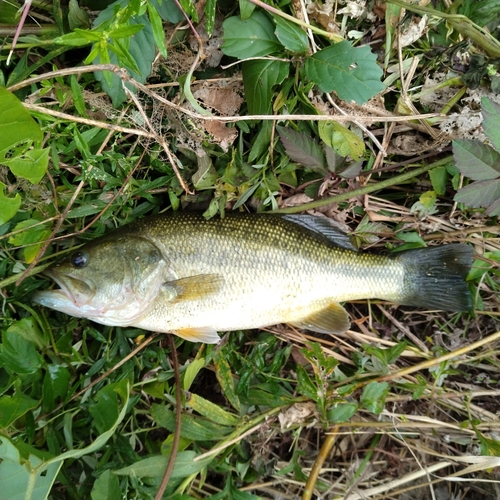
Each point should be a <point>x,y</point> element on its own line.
<point>338,198</point>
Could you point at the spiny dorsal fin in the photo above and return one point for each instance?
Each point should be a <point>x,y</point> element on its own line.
<point>324,227</point>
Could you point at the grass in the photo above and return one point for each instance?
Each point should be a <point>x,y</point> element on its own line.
<point>403,405</point>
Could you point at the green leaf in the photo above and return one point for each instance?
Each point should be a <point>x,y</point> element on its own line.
<point>76,93</point>
<point>76,39</point>
<point>168,10</point>
<point>105,410</point>
<point>252,37</point>
<point>191,372</point>
<point>212,411</point>
<point>126,31</point>
<point>225,378</point>
<point>19,355</point>
<point>477,161</point>
<point>292,37</point>
<point>353,73</point>
<point>341,139</point>
<point>491,122</point>
<point>259,77</point>
<point>77,17</point>
<point>8,206</point>
<point>14,407</point>
<point>106,487</point>
<point>16,124</point>
<point>374,395</point>
<point>158,31</point>
<point>341,412</point>
<point>32,165</point>
<point>192,428</point>
<point>302,149</point>
<point>154,467</point>
<point>439,179</point>
<point>306,385</point>
<point>479,193</point>
<point>210,10</point>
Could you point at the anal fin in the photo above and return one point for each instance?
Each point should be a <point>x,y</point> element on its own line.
<point>206,335</point>
<point>332,320</point>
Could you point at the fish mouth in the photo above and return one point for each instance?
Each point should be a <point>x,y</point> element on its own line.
<point>78,291</point>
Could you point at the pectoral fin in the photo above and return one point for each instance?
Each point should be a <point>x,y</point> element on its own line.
<point>206,335</point>
<point>333,320</point>
<point>193,287</point>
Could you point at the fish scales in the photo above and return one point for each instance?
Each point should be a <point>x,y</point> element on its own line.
<point>246,271</point>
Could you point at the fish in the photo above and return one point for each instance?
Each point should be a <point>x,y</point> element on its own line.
<point>195,277</point>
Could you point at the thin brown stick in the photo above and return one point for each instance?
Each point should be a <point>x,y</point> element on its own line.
<point>178,415</point>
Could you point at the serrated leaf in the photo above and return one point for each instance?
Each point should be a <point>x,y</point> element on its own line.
<point>479,193</point>
<point>302,149</point>
<point>259,78</point>
<point>475,160</point>
<point>374,395</point>
<point>8,206</point>
<point>352,170</point>
<point>341,139</point>
<point>292,37</point>
<point>352,72</point>
<point>491,122</point>
<point>252,37</point>
<point>31,166</point>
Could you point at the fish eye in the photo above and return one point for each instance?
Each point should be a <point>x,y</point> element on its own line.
<point>79,259</point>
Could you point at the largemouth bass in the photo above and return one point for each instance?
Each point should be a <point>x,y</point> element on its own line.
<point>194,277</point>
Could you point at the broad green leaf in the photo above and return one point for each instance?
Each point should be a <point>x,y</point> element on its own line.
<point>306,385</point>
<point>479,193</point>
<point>8,206</point>
<point>28,329</point>
<point>246,8</point>
<point>491,122</point>
<point>14,407</point>
<point>16,124</point>
<point>55,385</point>
<point>341,412</point>
<point>292,37</point>
<point>259,78</point>
<point>17,478</point>
<point>192,428</point>
<point>411,238</point>
<point>475,160</point>
<point>212,411</point>
<point>302,149</point>
<point>185,465</point>
<point>32,165</point>
<point>77,17</point>
<point>106,487</point>
<point>439,179</point>
<point>353,73</point>
<point>168,10</point>
<point>158,31</point>
<point>32,478</point>
<point>252,37</point>
<point>374,395</point>
<point>105,410</point>
<point>126,31</point>
<point>493,209</point>
<point>19,355</point>
<point>341,139</point>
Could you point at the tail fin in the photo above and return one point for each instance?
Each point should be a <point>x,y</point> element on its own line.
<point>435,277</point>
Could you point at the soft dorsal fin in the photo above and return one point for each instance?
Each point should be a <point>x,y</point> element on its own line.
<point>333,319</point>
<point>324,227</point>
